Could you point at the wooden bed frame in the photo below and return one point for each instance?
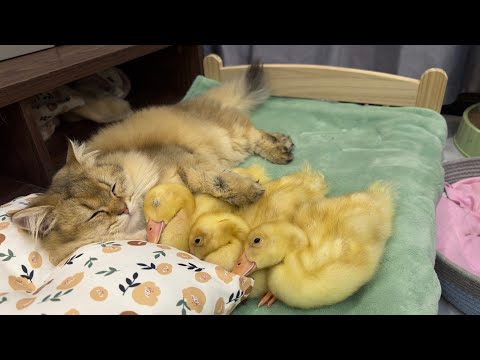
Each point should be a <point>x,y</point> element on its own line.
<point>343,84</point>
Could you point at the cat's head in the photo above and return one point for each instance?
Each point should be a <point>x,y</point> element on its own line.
<point>92,197</point>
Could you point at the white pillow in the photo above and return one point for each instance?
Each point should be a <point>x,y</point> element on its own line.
<point>122,277</point>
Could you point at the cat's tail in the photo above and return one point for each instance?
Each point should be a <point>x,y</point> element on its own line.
<point>245,92</point>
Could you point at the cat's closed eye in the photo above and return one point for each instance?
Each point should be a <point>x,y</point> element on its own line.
<point>113,190</point>
<point>97,213</point>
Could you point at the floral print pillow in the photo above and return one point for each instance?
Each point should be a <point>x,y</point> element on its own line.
<point>121,277</point>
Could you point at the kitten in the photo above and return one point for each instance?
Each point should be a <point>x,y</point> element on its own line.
<point>98,194</point>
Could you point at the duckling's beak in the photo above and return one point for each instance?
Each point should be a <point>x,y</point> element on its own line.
<point>154,230</point>
<point>244,267</point>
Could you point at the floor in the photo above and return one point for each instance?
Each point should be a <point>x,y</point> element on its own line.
<point>450,152</point>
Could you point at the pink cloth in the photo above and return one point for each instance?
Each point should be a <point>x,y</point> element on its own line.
<point>458,224</point>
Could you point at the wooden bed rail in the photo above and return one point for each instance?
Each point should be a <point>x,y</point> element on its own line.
<point>342,84</point>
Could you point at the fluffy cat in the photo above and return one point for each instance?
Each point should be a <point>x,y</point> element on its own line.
<point>98,194</point>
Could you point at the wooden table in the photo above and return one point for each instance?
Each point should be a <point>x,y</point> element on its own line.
<point>25,155</point>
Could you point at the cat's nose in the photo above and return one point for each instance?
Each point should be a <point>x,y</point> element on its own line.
<point>124,210</point>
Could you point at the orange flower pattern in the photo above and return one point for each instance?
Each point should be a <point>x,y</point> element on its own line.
<point>35,259</point>
<point>245,283</point>
<point>224,275</point>
<point>111,249</point>
<point>23,303</point>
<point>194,298</point>
<point>219,306</point>
<point>164,269</point>
<point>202,277</point>
<point>99,293</point>
<point>128,312</point>
<point>70,282</point>
<point>137,243</point>
<point>146,294</point>
<point>164,247</point>
<point>20,283</point>
<point>72,312</point>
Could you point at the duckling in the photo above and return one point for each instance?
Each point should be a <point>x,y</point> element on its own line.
<point>205,203</point>
<point>283,196</point>
<point>174,205</point>
<point>330,250</point>
<point>218,237</point>
<point>168,210</point>
<point>256,171</point>
<point>281,200</point>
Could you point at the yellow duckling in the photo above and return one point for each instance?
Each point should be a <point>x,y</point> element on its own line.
<point>219,238</point>
<point>281,200</point>
<point>170,209</point>
<point>256,171</point>
<point>330,251</point>
<point>283,197</point>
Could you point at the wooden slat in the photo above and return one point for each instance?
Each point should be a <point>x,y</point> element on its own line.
<point>31,74</point>
<point>335,83</point>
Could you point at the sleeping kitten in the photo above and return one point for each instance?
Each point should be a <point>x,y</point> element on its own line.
<point>98,194</point>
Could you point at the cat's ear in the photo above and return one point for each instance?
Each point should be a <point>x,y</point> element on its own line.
<point>38,220</point>
<point>77,154</point>
<point>72,153</point>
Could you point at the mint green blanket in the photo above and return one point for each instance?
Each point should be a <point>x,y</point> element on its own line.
<point>353,146</point>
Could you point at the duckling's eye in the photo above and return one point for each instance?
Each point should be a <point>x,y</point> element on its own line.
<point>256,241</point>
<point>198,241</point>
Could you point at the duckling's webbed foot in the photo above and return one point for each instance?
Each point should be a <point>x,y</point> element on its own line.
<point>268,299</point>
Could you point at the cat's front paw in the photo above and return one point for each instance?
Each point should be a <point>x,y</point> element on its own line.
<point>246,192</point>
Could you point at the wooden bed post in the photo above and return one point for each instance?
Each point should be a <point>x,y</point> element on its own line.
<point>212,65</point>
<point>431,89</point>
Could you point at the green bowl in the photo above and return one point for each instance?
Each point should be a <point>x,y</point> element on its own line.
<point>467,138</point>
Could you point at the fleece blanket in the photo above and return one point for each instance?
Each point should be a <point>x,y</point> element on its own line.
<point>353,146</point>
